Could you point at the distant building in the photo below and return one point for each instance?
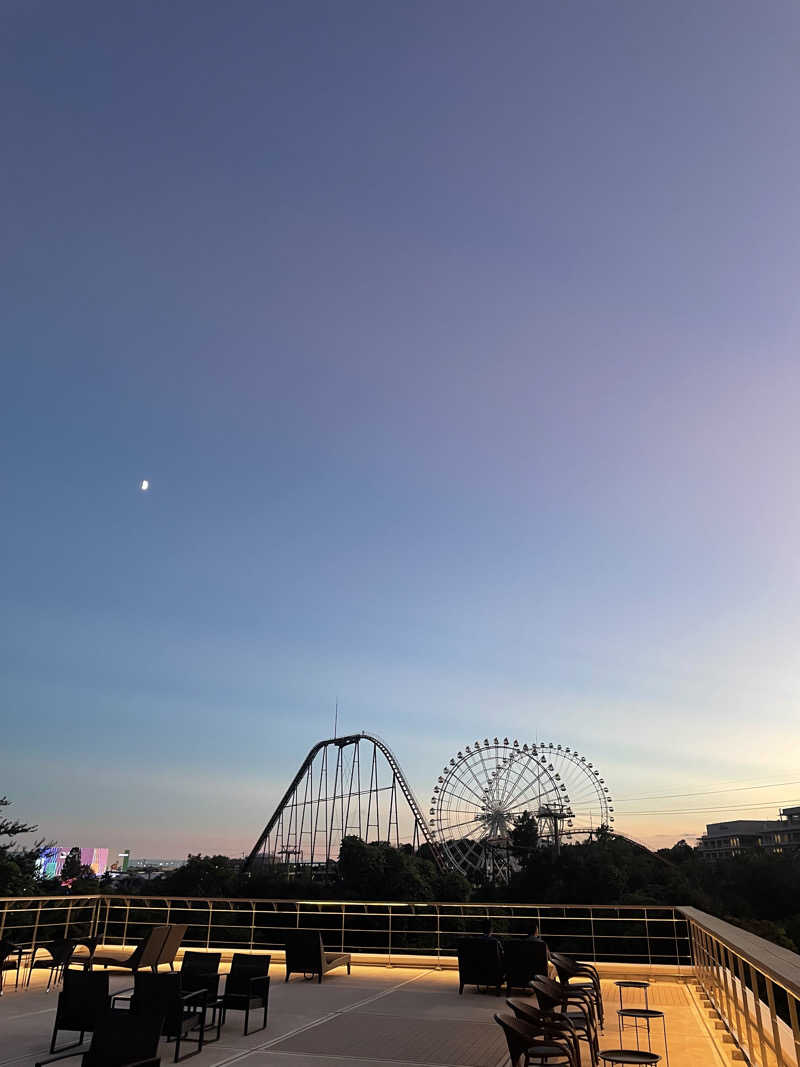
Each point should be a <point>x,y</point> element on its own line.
<point>51,860</point>
<point>162,865</point>
<point>746,835</point>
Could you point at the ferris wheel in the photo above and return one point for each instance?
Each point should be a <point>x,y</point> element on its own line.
<point>480,793</point>
<point>488,785</point>
<point>591,805</point>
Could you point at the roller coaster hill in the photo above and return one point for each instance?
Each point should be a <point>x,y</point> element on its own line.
<point>354,786</point>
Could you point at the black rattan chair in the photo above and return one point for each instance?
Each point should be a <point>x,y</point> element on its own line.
<point>247,987</point>
<point>120,1039</point>
<point>200,970</point>
<point>480,963</point>
<point>183,1013</point>
<point>575,1005</point>
<point>10,960</point>
<point>530,1045</point>
<point>523,961</point>
<point>82,1001</point>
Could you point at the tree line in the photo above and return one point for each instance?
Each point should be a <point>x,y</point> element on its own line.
<point>757,890</point>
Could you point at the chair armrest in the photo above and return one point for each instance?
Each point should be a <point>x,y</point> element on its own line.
<point>123,993</point>
<point>200,995</point>
<point>63,1055</point>
<point>259,978</point>
<point>146,1063</point>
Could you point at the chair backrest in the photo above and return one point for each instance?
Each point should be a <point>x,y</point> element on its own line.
<point>304,951</point>
<point>245,966</point>
<point>83,999</point>
<point>200,970</point>
<point>548,993</point>
<point>122,1037</point>
<point>480,961</point>
<point>148,950</point>
<point>519,1036</point>
<point>172,942</point>
<point>158,994</point>
<point>524,960</point>
<point>200,962</point>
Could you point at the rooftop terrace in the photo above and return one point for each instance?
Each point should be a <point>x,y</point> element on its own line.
<point>410,1012</point>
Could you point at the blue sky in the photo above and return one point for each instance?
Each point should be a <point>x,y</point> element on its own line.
<point>459,345</point>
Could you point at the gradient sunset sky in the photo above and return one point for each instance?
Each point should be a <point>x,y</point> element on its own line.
<point>459,344</point>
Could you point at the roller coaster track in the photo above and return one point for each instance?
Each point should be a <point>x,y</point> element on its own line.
<point>300,817</point>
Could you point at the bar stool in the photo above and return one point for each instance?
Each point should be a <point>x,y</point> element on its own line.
<point>628,1055</point>
<point>647,1015</point>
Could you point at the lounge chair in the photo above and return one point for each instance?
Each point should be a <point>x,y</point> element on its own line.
<point>306,955</point>
<point>61,952</point>
<point>480,963</point>
<point>82,1001</point>
<point>247,987</point>
<point>120,1039</point>
<point>523,961</point>
<point>146,954</point>
<point>531,1045</point>
<point>172,942</point>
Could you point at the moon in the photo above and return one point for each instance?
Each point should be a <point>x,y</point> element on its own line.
<point>144,485</point>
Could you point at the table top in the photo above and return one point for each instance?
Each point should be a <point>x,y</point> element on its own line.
<point>633,985</point>
<point>628,1055</point>
<point>641,1013</point>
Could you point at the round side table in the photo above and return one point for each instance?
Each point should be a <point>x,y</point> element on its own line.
<point>628,1055</point>
<point>633,985</point>
<point>647,1015</point>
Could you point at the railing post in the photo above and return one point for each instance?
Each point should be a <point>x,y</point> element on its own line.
<point>389,964</point>
<point>438,938</point>
<point>36,924</point>
<point>127,917</point>
<point>252,924</point>
<point>591,927</point>
<point>793,1021</point>
<point>647,937</point>
<point>776,1037</point>
<point>762,1044</point>
<point>344,908</point>
<point>3,914</point>
<point>743,985</point>
<point>208,928</point>
<point>105,924</point>
<point>67,920</point>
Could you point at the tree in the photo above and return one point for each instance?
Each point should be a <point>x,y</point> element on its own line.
<point>17,864</point>
<point>72,865</point>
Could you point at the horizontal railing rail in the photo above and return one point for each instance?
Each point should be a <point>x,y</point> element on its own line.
<point>603,933</point>
<point>754,986</point>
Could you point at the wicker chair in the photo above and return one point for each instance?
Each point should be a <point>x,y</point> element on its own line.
<point>247,987</point>
<point>120,1039</point>
<point>183,1014</point>
<point>575,1005</point>
<point>531,1045</point>
<point>480,963</point>
<point>579,976</point>
<point>306,955</point>
<point>82,1001</point>
<point>200,970</point>
<point>524,960</point>
<point>10,959</point>
<point>552,1024</point>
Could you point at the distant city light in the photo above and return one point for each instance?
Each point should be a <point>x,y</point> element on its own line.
<point>144,485</point>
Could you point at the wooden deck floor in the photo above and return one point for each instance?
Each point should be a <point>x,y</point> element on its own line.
<point>394,1017</point>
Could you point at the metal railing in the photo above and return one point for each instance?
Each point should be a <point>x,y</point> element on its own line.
<point>630,934</point>
<point>754,986</point>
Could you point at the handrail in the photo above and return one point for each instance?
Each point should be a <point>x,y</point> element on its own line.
<point>780,964</point>
<point>752,984</point>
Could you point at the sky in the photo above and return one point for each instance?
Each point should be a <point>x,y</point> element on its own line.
<point>459,345</point>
